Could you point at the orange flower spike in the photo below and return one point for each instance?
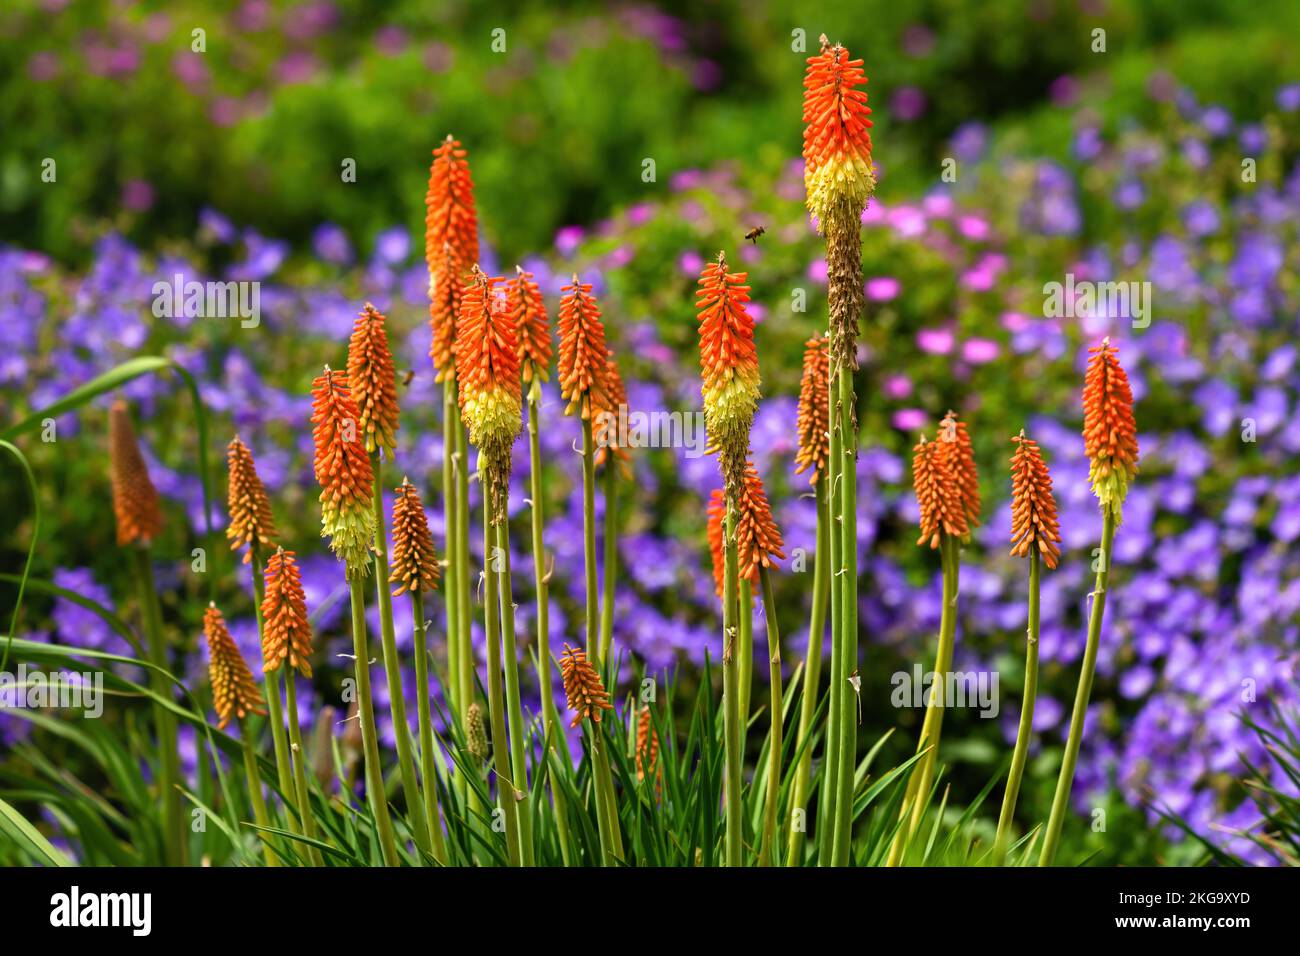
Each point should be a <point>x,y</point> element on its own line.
<point>838,171</point>
<point>251,521</point>
<point>937,493</point>
<point>529,311</point>
<point>374,381</point>
<point>135,499</point>
<point>584,692</point>
<point>814,421</point>
<point>728,364</point>
<point>606,431</point>
<point>961,456</point>
<point>582,349</point>
<point>717,512</point>
<point>487,368</point>
<point>415,564</point>
<point>450,245</point>
<point>1109,429</point>
<point>647,748</point>
<point>234,691</point>
<point>1033,508</point>
<point>286,632</point>
<point>758,540</point>
<point>343,470</point>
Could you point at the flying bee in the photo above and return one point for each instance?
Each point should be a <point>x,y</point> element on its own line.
<point>408,377</point>
<point>754,233</point>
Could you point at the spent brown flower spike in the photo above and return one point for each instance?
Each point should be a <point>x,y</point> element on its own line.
<point>814,422</point>
<point>583,689</point>
<point>251,520</point>
<point>235,693</point>
<point>135,500</point>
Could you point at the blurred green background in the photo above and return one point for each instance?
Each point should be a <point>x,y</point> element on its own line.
<point>145,131</point>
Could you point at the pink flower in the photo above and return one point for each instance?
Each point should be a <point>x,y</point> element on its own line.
<point>898,386</point>
<point>817,270</point>
<point>907,221</point>
<point>973,227</point>
<point>979,351</point>
<point>690,262</point>
<point>883,289</point>
<point>874,214</point>
<point>1014,321</point>
<point>934,341</point>
<point>938,205</point>
<point>910,419</point>
<point>567,239</point>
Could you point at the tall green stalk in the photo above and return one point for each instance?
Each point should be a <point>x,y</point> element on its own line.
<point>450,519</point>
<point>258,800</point>
<point>589,544</point>
<point>518,732</point>
<point>827,814</point>
<point>731,739</point>
<point>464,576</point>
<point>771,845</point>
<point>369,733</point>
<point>428,757</point>
<point>175,834</point>
<point>811,676</point>
<point>299,762</point>
<point>283,765</point>
<point>506,786</point>
<point>931,727</point>
<point>745,651</point>
<point>611,555</point>
<point>1064,783</point>
<point>848,582</point>
<point>552,730</point>
<point>1026,729</point>
<point>393,670</point>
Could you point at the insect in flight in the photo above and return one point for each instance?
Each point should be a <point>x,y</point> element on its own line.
<point>754,233</point>
<point>410,374</point>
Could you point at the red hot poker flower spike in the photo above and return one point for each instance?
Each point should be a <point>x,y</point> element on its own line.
<point>608,433</point>
<point>234,691</point>
<point>415,565</point>
<point>373,380</point>
<point>758,540</point>
<point>936,494</point>
<point>1109,429</point>
<point>814,421</point>
<point>584,691</point>
<point>529,311</point>
<point>582,349</point>
<point>344,472</point>
<point>717,511</point>
<point>838,173</point>
<point>450,245</point>
<point>286,633</point>
<point>251,521</point>
<point>961,456</point>
<point>135,500</point>
<point>1033,509</point>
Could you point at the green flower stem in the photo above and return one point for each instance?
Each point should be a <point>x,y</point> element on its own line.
<point>745,651</point>
<point>464,576</point>
<point>771,845</point>
<point>589,544</point>
<point>175,835</point>
<point>369,736</point>
<point>611,555</point>
<point>811,675</point>
<point>731,691</point>
<point>827,817</point>
<point>393,669</point>
<point>299,762</point>
<point>518,732</point>
<point>552,730</point>
<point>918,785</point>
<point>1061,801</point>
<point>450,516</point>
<point>848,583</point>
<point>506,786</point>
<point>283,765</point>
<point>428,757</point>
<point>1026,729</point>
<point>255,795</point>
<point>606,816</point>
